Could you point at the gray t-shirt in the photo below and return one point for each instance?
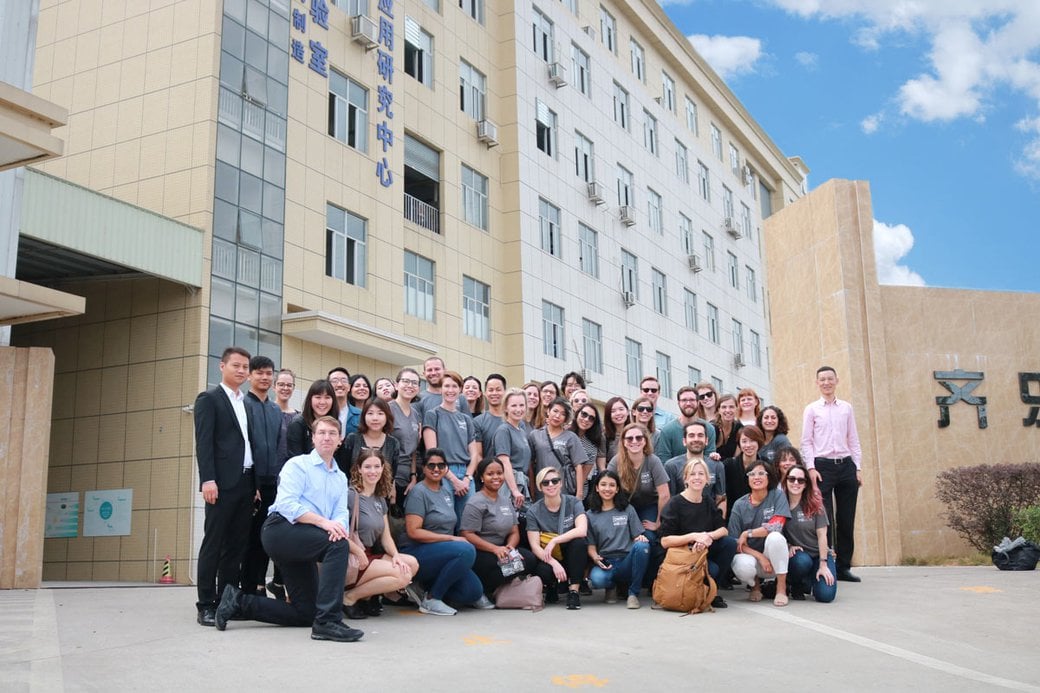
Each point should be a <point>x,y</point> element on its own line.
<point>486,425</point>
<point>744,516</point>
<point>491,520</point>
<point>650,474</point>
<point>768,451</point>
<point>541,519</point>
<point>801,530</point>
<point>429,400</point>
<point>436,508</point>
<point>454,433</point>
<point>716,476</point>
<point>513,442</point>
<point>371,518</point>
<point>566,444</point>
<point>406,430</point>
<point>612,531</point>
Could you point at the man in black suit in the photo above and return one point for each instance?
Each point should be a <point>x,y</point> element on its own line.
<point>225,461</point>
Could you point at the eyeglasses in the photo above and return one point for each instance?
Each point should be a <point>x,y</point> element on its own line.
<point>409,381</point>
<point>434,466</point>
<point>796,479</point>
<point>338,381</point>
<point>706,395</point>
<point>754,474</point>
<point>550,482</point>
<point>651,389</point>
<point>634,439</point>
<point>643,408</point>
<point>688,400</point>
<point>586,415</point>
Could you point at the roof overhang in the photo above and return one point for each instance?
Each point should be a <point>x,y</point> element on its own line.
<point>26,122</point>
<point>27,302</point>
<point>341,333</point>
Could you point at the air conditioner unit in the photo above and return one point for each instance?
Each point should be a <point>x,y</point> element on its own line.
<point>738,361</point>
<point>730,225</point>
<point>694,262</point>
<point>558,74</point>
<point>595,192</point>
<point>586,376</point>
<point>628,298</point>
<point>627,215</point>
<point>363,30</point>
<point>590,31</point>
<point>487,132</point>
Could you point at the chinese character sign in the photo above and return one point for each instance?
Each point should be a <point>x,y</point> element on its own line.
<point>318,11</point>
<point>385,68</point>
<point>1029,399</point>
<point>960,393</point>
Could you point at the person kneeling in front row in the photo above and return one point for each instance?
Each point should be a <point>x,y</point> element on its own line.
<point>307,524</point>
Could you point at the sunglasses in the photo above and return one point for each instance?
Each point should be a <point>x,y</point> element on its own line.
<point>651,389</point>
<point>550,482</point>
<point>435,466</point>
<point>796,479</point>
<point>706,395</point>
<point>644,409</point>
<point>586,415</point>
<point>634,439</point>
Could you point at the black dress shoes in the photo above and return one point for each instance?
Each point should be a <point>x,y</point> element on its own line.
<point>207,616</point>
<point>847,576</point>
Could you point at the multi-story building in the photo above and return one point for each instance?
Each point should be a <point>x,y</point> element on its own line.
<point>523,187</point>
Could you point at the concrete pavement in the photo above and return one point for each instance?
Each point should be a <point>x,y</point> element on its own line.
<point>923,629</point>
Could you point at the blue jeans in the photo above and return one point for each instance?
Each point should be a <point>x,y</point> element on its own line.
<point>446,570</point>
<point>649,512</point>
<point>801,575</point>
<point>720,556</point>
<point>460,501</point>
<point>629,569</point>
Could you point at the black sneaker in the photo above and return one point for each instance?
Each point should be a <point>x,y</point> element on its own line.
<point>355,611</point>
<point>277,590</point>
<point>719,603</point>
<point>573,600</point>
<point>228,607</point>
<point>372,606</point>
<point>337,631</point>
<point>586,589</point>
<point>552,596</point>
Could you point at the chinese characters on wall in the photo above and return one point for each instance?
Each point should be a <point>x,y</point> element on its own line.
<point>961,385</point>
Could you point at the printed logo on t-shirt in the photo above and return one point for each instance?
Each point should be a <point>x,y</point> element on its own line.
<point>378,505</point>
<point>645,478</point>
<point>619,520</point>
<point>767,514</point>
<point>505,510</point>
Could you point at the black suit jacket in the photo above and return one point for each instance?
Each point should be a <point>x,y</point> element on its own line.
<point>220,449</point>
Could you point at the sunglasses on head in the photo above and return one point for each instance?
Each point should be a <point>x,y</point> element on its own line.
<point>550,482</point>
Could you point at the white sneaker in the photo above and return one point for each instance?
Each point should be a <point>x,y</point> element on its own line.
<point>435,607</point>
<point>483,603</point>
<point>633,602</point>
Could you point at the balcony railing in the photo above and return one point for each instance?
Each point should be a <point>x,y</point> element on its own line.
<point>421,213</point>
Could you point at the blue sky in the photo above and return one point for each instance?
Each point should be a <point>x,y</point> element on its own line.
<point>935,102</point>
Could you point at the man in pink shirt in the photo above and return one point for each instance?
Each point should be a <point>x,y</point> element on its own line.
<point>830,448</point>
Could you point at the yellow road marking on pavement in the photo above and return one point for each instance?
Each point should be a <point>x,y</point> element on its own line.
<point>579,681</point>
<point>981,589</point>
<point>482,640</point>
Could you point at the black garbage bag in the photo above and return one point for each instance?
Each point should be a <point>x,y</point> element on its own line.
<point>1024,556</point>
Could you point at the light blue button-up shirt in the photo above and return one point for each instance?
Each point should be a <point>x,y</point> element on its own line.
<point>307,485</point>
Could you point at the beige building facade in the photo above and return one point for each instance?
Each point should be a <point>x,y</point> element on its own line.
<point>894,347</point>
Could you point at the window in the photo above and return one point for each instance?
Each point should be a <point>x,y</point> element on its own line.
<point>472,91</point>
<point>352,7</point>
<point>583,158</point>
<point>418,286</point>
<point>474,198</point>
<point>418,52</point>
<point>630,274</point>
<point>717,382</point>
<point>549,223</point>
<point>345,237</point>
<point>571,5</point>
<point>638,60</point>
<point>542,36</point>
<point>348,111</point>
<point>592,342</point>
<point>581,67</point>
<point>625,194</point>
<point>693,375</point>
<point>691,116</point>
<point>734,159</point>
<point>745,220</point>
<point>422,167</point>
<point>649,132</point>
<point>709,251</point>
<point>704,181</point>
<point>713,323</point>
<point>738,338</point>
<point>552,330</point>
<point>474,8</point>
<point>756,349</point>
<point>727,202</point>
<point>654,213</point>
<point>751,283</point>
<point>686,234</point>
<point>608,30</point>
<point>620,106</point>
<point>588,250</point>
<point>633,361</point>
<point>664,373</point>
<point>660,284</point>
<point>545,129</point>
<point>476,308</point>
<point>734,273</point>
<point>667,92</point>
<point>690,309</point>
<point>682,162</point>
<point>716,141</point>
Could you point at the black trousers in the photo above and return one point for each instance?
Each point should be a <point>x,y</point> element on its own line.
<point>314,596</point>
<point>575,558</point>
<point>224,542</point>
<point>840,491</point>
<point>485,565</point>
<point>254,567</point>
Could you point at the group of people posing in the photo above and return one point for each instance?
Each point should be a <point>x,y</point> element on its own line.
<point>446,497</point>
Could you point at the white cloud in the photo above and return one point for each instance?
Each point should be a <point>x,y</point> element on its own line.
<point>871,123</point>
<point>806,59</point>
<point>891,244</point>
<point>730,56</point>
<point>978,52</point>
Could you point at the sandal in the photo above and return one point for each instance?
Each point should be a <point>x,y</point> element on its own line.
<point>756,595</point>
<point>780,600</point>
